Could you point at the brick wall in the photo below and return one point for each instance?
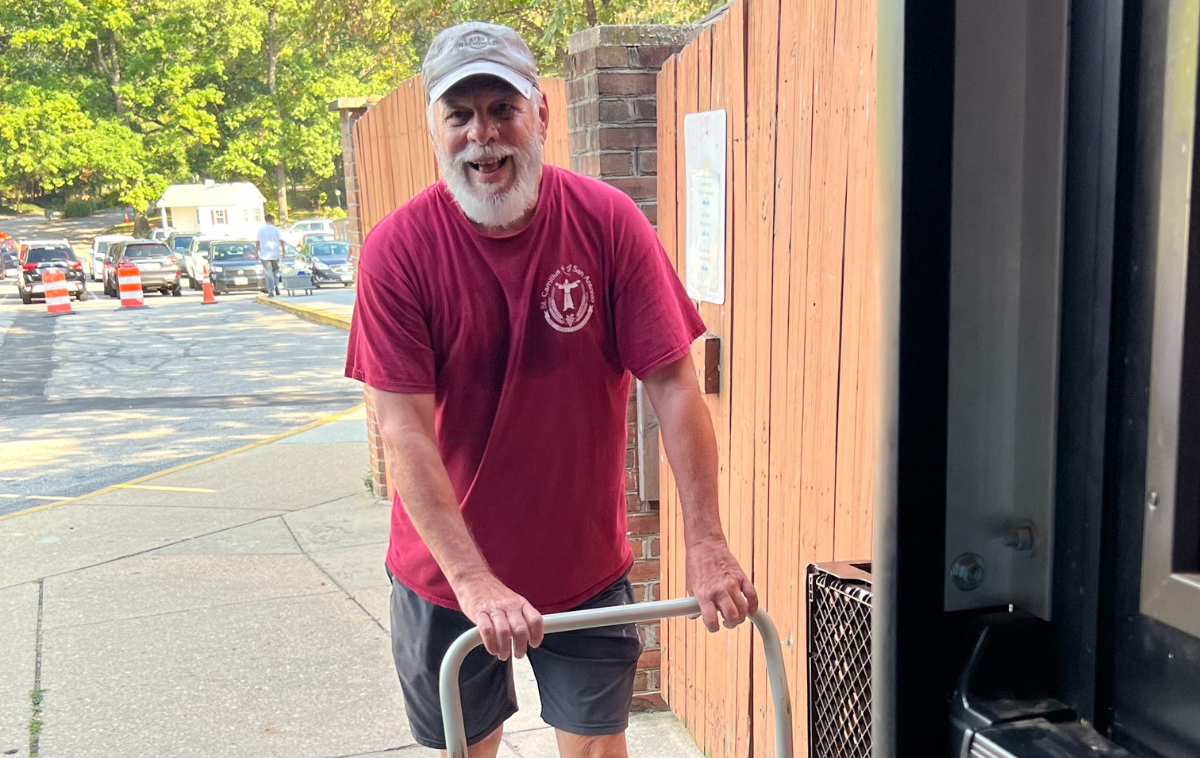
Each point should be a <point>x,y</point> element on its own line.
<point>379,479</point>
<point>612,75</point>
<point>350,110</point>
<point>612,114</point>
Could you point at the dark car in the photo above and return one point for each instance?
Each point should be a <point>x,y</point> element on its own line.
<point>234,267</point>
<point>158,267</point>
<point>329,263</point>
<point>309,240</point>
<point>180,243</point>
<point>8,257</point>
<point>37,259</point>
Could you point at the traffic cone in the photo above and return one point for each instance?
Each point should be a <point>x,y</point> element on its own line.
<point>126,217</point>
<point>208,293</point>
<point>129,281</point>
<point>58,300</point>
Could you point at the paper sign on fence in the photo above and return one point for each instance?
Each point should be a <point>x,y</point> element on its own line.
<point>704,146</point>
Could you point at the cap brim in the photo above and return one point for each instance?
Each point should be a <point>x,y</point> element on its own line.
<point>482,68</point>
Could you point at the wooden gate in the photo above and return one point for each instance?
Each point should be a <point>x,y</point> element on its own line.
<point>797,332</point>
<point>394,155</point>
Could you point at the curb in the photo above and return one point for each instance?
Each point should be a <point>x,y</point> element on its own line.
<point>245,448</point>
<point>315,315</point>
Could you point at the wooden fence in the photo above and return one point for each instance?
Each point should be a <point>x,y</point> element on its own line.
<point>797,331</point>
<point>394,156</point>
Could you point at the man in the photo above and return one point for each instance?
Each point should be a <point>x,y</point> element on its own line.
<point>499,315</point>
<point>270,249</point>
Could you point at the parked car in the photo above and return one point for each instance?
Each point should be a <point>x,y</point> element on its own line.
<point>329,263</point>
<point>234,267</point>
<point>157,267</point>
<point>196,258</point>
<point>159,235</point>
<point>39,256</point>
<point>8,257</point>
<point>294,234</point>
<point>291,260</point>
<point>309,239</point>
<point>99,248</point>
<point>180,243</point>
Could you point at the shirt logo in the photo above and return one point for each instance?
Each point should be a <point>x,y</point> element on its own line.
<point>568,299</point>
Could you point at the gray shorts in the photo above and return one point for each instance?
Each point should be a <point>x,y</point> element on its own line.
<point>585,677</point>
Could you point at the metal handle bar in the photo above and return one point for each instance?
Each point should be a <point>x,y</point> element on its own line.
<point>452,714</point>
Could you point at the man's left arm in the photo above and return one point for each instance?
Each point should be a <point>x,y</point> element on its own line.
<point>713,574</point>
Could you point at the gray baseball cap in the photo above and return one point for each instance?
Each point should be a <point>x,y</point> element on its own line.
<point>475,49</point>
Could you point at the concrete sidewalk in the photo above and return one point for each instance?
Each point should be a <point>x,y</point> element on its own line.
<point>330,307</point>
<point>233,607</point>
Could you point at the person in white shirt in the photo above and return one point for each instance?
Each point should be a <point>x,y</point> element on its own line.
<point>270,250</point>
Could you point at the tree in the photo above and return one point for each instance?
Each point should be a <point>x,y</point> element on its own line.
<point>544,24</point>
<point>116,99</point>
<point>278,122</point>
<point>144,78</point>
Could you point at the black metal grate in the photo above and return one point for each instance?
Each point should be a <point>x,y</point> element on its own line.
<point>839,663</point>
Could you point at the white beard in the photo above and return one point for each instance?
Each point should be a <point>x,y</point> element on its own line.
<point>486,206</point>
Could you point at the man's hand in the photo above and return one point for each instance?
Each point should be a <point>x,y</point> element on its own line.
<point>507,622</point>
<point>718,582</point>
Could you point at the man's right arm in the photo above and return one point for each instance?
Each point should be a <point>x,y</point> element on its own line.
<point>506,620</point>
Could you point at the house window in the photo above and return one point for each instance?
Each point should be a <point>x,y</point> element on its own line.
<point>197,217</point>
<point>245,214</point>
<point>258,214</point>
<point>220,217</point>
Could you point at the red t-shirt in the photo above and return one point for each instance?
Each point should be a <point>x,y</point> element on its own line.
<point>526,341</point>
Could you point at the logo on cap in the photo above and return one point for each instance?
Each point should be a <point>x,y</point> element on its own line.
<point>477,41</point>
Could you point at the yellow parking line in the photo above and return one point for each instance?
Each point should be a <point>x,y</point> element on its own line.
<point>162,489</point>
<point>10,497</point>
<point>182,466</point>
<point>46,497</point>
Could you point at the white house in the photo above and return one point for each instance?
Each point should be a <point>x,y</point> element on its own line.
<point>234,209</point>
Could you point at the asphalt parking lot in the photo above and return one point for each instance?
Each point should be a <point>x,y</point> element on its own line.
<point>108,394</point>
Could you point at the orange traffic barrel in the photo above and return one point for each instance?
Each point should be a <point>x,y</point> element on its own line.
<point>129,280</point>
<point>58,300</point>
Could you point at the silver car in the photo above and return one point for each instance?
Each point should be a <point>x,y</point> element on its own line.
<point>158,267</point>
<point>196,258</point>
<point>99,248</point>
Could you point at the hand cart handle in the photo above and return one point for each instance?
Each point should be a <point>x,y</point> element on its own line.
<point>452,714</point>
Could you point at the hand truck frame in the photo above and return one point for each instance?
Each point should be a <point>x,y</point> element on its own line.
<point>452,713</point>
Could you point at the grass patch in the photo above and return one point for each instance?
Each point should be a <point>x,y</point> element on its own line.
<point>20,209</point>
<point>307,213</point>
<point>368,481</point>
<point>35,721</point>
<point>120,229</point>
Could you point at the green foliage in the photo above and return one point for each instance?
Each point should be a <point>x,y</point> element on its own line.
<point>403,29</point>
<point>79,208</point>
<point>115,99</point>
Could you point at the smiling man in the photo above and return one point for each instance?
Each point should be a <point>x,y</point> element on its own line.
<point>500,315</point>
